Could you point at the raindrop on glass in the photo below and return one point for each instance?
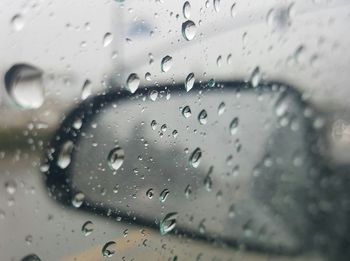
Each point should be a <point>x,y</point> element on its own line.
<point>153,95</point>
<point>189,82</point>
<point>234,126</point>
<point>150,193</point>
<point>64,158</point>
<point>164,195</point>
<point>255,77</point>
<point>17,22</point>
<point>195,158</point>
<point>25,86</point>
<point>221,108</point>
<point>133,82</point>
<point>78,199</point>
<point>203,117</point>
<point>87,228</point>
<point>31,257</point>
<point>107,39</point>
<point>166,63</point>
<point>186,112</point>
<point>168,223</point>
<point>186,10</point>
<point>11,187</point>
<point>115,158</point>
<point>189,30</point>
<point>86,90</point>
<point>109,249</point>
<point>216,5</point>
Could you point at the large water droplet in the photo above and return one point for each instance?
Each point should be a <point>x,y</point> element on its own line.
<point>186,10</point>
<point>150,193</point>
<point>189,30</point>
<point>31,257</point>
<point>164,195</point>
<point>86,90</point>
<point>168,223</point>
<point>17,22</point>
<point>203,117</point>
<point>153,95</point>
<point>133,82</point>
<point>195,157</point>
<point>78,199</point>
<point>166,63</point>
<point>115,158</point>
<point>109,249</point>
<point>216,5</point>
<point>25,86</point>
<point>107,39</point>
<point>87,228</point>
<point>186,112</point>
<point>189,82</point>
<point>234,126</point>
<point>255,77</point>
<point>221,108</point>
<point>64,158</point>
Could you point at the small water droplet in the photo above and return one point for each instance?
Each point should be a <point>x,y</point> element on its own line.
<point>189,82</point>
<point>203,117</point>
<point>168,223</point>
<point>189,30</point>
<point>186,112</point>
<point>31,257</point>
<point>188,191</point>
<point>166,63</point>
<point>64,158</point>
<point>25,86</point>
<point>107,39</point>
<point>133,82</point>
<point>78,199</point>
<point>153,95</point>
<point>186,10</point>
<point>234,126</point>
<point>163,128</point>
<point>115,158</point>
<point>17,22</point>
<point>153,125</point>
<point>208,182</point>
<point>255,77</point>
<point>11,187</point>
<point>219,61</point>
<point>216,5</point>
<point>148,76</point>
<point>164,195</point>
<point>195,157</point>
<point>86,90</point>
<point>221,108</point>
<point>233,10</point>
<point>87,228</point>
<point>150,193</point>
<point>29,239</point>
<point>109,249</point>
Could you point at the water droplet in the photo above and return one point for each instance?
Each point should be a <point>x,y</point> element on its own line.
<point>201,227</point>
<point>186,10</point>
<point>164,195</point>
<point>221,108</point>
<point>189,82</point>
<point>31,257</point>
<point>168,223</point>
<point>107,39</point>
<point>87,228</point>
<point>234,126</point>
<point>195,157</point>
<point>188,191</point>
<point>175,133</point>
<point>189,30</point>
<point>153,125</point>
<point>233,10</point>
<point>109,249</point>
<point>64,158</point>
<point>11,187</point>
<point>232,211</point>
<point>24,84</point>
<point>78,199</point>
<point>208,182</point>
<point>219,61</point>
<point>255,77</point>
<point>166,63</point>
<point>29,239</point>
<point>148,76</point>
<point>186,112</point>
<point>163,128</point>
<point>115,158</point>
<point>17,22</point>
<point>86,90</point>
<point>133,82</point>
<point>217,5</point>
<point>153,95</point>
<point>150,193</point>
<point>203,117</point>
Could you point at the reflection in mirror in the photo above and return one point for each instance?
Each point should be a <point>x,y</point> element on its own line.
<point>228,164</point>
